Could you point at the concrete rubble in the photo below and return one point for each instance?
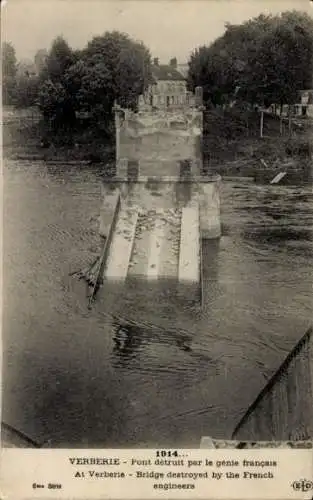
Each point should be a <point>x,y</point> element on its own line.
<point>169,221</point>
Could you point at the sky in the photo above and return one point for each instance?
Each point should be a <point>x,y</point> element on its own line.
<point>168,27</point>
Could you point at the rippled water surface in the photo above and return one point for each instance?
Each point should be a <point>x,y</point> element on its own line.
<point>144,369</point>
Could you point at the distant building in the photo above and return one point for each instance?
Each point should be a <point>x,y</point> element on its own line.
<point>168,89</point>
<point>26,68</point>
<point>304,106</point>
<point>40,60</point>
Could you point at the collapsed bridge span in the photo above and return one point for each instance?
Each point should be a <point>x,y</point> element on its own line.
<point>160,205</point>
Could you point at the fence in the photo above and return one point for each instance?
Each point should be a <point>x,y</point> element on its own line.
<point>11,115</point>
<point>284,408</point>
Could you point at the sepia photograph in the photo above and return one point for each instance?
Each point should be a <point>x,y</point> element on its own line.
<point>157,167</point>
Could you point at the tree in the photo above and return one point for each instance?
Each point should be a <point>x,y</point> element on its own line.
<point>40,60</point>
<point>9,68</point>
<point>26,91</point>
<point>264,60</point>
<point>283,64</point>
<point>8,60</point>
<point>132,74</point>
<point>54,101</point>
<point>211,69</point>
<point>57,109</point>
<point>126,66</point>
<point>59,59</point>
<point>110,68</point>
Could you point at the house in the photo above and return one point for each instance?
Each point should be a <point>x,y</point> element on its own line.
<point>168,88</point>
<point>26,68</point>
<point>306,106</point>
<point>303,106</point>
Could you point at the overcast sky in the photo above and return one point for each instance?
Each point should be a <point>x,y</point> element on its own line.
<point>168,27</point>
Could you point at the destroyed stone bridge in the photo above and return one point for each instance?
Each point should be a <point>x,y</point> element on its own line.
<point>159,205</point>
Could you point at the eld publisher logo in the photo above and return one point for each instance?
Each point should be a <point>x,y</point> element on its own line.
<point>303,485</point>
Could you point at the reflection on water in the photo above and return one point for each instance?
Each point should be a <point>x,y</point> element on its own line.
<point>129,338</point>
<point>147,367</point>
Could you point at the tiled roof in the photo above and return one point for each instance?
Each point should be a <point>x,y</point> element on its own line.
<point>166,72</point>
<point>183,69</point>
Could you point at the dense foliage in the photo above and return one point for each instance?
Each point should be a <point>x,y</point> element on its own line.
<point>262,61</point>
<point>111,68</point>
<point>68,83</point>
<point>9,68</point>
<point>20,85</point>
<point>265,60</point>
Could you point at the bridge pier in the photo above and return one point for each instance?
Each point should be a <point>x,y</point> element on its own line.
<point>110,194</point>
<point>189,251</point>
<point>122,168</point>
<point>210,212</point>
<point>159,174</point>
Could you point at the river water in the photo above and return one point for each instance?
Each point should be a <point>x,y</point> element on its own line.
<point>75,377</point>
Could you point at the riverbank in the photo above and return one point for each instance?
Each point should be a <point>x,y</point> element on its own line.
<point>240,153</point>
<point>26,138</point>
<point>298,170</point>
<point>232,147</point>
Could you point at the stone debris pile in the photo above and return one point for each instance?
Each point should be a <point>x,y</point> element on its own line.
<point>168,222</point>
<point>169,265</point>
<point>124,226</point>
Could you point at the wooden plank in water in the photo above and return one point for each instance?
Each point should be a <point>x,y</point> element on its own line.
<point>105,251</point>
<point>278,177</point>
<point>107,211</point>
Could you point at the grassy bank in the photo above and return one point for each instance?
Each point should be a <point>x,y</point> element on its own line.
<point>232,145</point>
<point>27,137</point>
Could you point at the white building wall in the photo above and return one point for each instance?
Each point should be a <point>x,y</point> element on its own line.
<point>164,93</point>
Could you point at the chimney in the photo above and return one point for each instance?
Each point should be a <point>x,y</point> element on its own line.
<point>173,62</point>
<point>156,61</point>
